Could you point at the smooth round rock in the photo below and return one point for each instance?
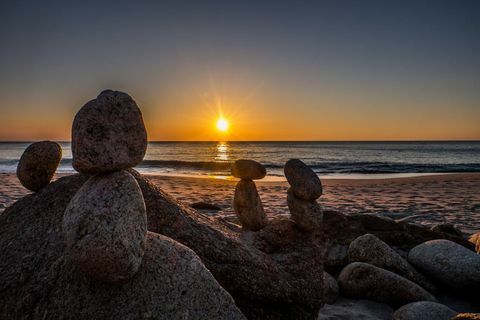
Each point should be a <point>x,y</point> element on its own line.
<point>448,262</point>
<point>424,310</point>
<point>308,215</point>
<point>38,163</point>
<point>304,182</point>
<point>108,134</point>
<point>363,281</point>
<point>370,249</point>
<point>248,206</point>
<point>248,170</point>
<point>105,226</point>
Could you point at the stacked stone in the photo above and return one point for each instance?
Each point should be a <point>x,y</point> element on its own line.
<point>246,202</point>
<point>305,188</point>
<point>105,223</point>
<point>38,164</point>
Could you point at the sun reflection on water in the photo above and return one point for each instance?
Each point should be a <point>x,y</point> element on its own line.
<point>223,151</point>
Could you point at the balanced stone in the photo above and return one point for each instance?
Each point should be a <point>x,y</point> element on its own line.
<point>38,164</point>
<point>248,206</point>
<point>304,182</point>
<point>307,214</point>
<point>363,281</point>
<point>424,310</point>
<point>105,226</point>
<point>369,249</point>
<point>108,134</point>
<point>448,262</point>
<point>248,170</point>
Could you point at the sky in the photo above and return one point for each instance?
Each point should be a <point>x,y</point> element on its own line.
<point>276,70</point>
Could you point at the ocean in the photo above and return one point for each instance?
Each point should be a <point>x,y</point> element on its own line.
<point>332,159</point>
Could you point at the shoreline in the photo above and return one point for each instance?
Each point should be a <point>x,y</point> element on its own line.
<point>427,199</point>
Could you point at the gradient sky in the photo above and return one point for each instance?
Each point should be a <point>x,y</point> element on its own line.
<point>278,70</point>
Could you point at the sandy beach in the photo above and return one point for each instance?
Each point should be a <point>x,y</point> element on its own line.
<point>430,200</point>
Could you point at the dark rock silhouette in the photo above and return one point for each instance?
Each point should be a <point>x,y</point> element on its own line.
<point>248,170</point>
<point>108,134</point>
<point>304,183</point>
<point>248,206</point>
<point>38,163</point>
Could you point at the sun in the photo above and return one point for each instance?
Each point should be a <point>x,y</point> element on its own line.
<point>222,124</point>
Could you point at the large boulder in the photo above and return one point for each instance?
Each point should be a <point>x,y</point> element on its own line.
<point>105,225</point>
<point>307,214</point>
<point>108,134</point>
<point>369,249</point>
<point>449,263</point>
<point>304,182</point>
<point>265,284</point>
<point>248,170</point>
<point>363,281</point>
<point>248,206</point>
<point>38,163</point>
<point>424,310</point>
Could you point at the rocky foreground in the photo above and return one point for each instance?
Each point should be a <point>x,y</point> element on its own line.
<point>275,273</point>
<point>108,243</point>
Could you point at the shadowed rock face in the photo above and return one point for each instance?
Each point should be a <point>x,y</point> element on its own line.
<point>38,163</point>
<point>105,225</point>
<point>248,170</point>
<point>364,281</point>
<point>264,285</point>
<point>304,183</point>
<point>370,249</point>
<point>108,134</point>
<point>248,206</point>
<point>424,310</point>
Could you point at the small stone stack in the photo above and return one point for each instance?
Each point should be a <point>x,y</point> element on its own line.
<point>105,223</point>
<point>246,202</point>
<point>38,164</point>
<point>305,188</point>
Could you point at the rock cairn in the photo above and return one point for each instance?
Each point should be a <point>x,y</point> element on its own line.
<point>105,223</point>
<point>246,202</point>
<point>38,164</point>
<point>305,188</point>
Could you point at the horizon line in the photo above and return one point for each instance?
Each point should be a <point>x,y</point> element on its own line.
<point>277,141</point>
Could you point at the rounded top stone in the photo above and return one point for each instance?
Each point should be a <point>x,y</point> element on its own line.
<point>248,169</point>
<point>304,182</point>
<point>38,163</point>
<point>108,134</point>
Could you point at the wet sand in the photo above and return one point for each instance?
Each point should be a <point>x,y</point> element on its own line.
<point>433,199</point>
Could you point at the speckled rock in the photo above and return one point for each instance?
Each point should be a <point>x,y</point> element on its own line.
<point>475,239</point>
<point>449,263</point>
<point>363,281</point>
<point>369,249</point>
<point>304,182</point>
<point>38,163</point>
<point>248,170</point>
<point>307,214</point>
<point>105,225</point>
<point>424,310</point>
<point>108,134</point>
<point>331,288</point>
<point>248,206</point>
